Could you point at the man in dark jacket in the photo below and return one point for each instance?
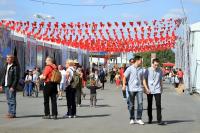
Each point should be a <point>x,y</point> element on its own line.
<point>9,83</point>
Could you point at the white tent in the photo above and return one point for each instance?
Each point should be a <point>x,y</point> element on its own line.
<point>195,56</point>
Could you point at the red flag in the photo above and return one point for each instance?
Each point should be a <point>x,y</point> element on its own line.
<point>131,23</point>
<point>109,24</point>
<point>116,24</point>
<point>123,24</point>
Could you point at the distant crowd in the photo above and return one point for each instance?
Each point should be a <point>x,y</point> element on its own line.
<point>58,81</point>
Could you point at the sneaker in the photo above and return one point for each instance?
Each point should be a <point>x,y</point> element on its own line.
<point>65,116</point>
<point>54,117</point>
<point>132,122</point>
<point>46,117</point>
<point>8,115</point>
<point>79,105</point>
<point>11,116</point>
<point>140,122</point>
<point>69,116</point>
<point>162,123</point>
<point>74,116</point>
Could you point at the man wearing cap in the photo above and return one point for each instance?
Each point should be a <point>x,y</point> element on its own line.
<point>9,83</point>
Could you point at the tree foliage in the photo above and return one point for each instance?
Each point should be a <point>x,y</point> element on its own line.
<point>163,56</point>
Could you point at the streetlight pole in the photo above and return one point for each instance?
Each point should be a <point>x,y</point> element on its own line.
<point>43,17</point>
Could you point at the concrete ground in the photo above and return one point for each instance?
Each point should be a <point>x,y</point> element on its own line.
<point>181,112</point>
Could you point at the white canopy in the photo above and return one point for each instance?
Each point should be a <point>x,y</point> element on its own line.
<point>195,27</point>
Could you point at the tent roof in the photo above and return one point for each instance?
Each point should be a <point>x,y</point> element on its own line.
<point>168,64</point>
<point>195,27</point>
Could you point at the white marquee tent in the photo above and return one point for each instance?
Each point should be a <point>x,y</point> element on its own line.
<point>188,57</point>
<point>195,56</point>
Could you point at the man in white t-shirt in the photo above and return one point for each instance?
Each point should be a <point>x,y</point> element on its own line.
<point>62,82</point>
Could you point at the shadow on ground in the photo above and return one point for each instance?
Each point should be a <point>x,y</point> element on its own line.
<point>179,121</point>
<point>91,116</point>
<point>29,116</point>
<point>174,121</point>
<point>84,105</point>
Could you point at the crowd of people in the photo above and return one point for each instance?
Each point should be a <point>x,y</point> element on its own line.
<point>31,82</point>
<point>70,80</point>
<point>175,76</point>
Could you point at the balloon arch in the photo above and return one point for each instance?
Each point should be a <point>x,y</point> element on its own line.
<point>140,36</point>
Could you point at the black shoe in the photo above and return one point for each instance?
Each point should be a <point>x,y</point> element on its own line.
<point>162,123</point>
<point>150,120</point>
<point>46,117</point>
<point>54,117</point>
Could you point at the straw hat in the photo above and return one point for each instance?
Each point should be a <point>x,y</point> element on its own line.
<point>75,62</point>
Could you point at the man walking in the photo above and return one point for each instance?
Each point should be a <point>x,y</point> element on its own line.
<point>9,83</point>
<point>153,88</point>
<point>135,89</point>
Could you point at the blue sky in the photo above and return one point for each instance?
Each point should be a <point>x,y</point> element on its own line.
<point>153,9</point>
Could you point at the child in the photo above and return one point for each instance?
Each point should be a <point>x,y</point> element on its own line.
<point>29,84</point>
<point>117,79</point>
<point>93,92</point>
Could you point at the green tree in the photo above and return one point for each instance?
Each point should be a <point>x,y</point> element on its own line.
<point>163,56</point>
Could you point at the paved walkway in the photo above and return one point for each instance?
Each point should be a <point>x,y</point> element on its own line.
<point>182,112</point>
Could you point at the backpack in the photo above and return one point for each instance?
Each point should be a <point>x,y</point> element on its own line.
<point>102,74</point>
<point>55,76</point>
<point>75,81</point>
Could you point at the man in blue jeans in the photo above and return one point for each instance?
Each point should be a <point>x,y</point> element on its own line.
<point>9,82</point>
<point>135,76</point>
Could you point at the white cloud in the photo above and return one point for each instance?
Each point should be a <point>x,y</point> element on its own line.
<point>7,13</point>
<point>175,13</point>
<point>88,1</point>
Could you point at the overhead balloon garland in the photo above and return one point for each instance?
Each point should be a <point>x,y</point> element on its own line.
<point>140,36</point>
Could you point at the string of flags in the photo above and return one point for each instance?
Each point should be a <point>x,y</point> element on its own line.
<point>139,36</point>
